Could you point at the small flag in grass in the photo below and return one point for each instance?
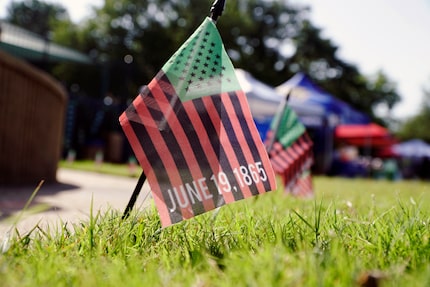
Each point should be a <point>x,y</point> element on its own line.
<point>291,153</point>
<point>193,134</point>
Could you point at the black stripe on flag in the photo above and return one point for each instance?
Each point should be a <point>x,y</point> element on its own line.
<point>179,158</point>
<point>151,154</point>
<point>248,134</point>
<point>201,157</point>
<point>215,142</point>
<point>225,118</point>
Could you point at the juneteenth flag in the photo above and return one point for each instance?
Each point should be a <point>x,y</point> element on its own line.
<point>193,134</point>
<point>291,152</point>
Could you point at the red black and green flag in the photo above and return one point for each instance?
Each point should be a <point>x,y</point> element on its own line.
<point>291,153</point>
<point>192,131</point>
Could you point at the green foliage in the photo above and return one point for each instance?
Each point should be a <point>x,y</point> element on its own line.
<point>104,168</point>
<point>273,40</point>
<point>36,16</point>
<point>417,126</point>
<point>352,228</point>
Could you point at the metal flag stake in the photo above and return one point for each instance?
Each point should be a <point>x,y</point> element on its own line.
<point>217,9</point>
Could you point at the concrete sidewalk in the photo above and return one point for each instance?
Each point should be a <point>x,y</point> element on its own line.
<point>69,200</point>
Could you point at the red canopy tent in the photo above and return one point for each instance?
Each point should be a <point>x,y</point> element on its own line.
<point>364,135</point>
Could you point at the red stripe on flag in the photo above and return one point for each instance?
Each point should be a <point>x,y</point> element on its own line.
<point>155,188</point>
<point>280,158</point>
<point>222,134</point>
<point>207,146</point>
<point>241,138</point>
<point>256,138</point>
<point>290,162</point>
<point>278,167</point>
<point>181,137</point>
<point>161,147</point>
<point>303,187</point>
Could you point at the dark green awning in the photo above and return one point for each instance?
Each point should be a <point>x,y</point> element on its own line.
<point>25,44</point>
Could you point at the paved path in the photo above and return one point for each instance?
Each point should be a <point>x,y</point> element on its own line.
<point>69,200</point>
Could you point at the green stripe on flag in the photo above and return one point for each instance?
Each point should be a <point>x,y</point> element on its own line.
<point>201,66</point>
<point>290,128</point>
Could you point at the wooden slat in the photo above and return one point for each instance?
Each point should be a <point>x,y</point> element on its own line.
<point>32,110</point>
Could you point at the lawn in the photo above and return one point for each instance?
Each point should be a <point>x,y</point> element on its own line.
<point>107,168</point>
<point>352,232</point>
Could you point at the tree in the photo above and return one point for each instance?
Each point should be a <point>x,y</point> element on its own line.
<point>417,126</point>
<point>262,30</point>
<point>272,39</point>
<point>136,38</point>
<point>52,22</point>
<point>36,16</point>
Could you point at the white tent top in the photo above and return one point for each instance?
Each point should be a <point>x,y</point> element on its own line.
<point>264,100</point>
<point>25,44</point>
<point>413,148</point>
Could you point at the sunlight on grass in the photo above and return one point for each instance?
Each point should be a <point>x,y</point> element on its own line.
<point>352,230</point>
<point>105,167</point>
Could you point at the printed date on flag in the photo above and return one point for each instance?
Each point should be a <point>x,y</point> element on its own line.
<point>189,194</point>
<point>192,131</point>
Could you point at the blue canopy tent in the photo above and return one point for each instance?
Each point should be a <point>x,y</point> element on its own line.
<point>264,102</point>
<point>317,110</point>
<point>305,93</point>
<point>414,156</point>
<point>414,148</point>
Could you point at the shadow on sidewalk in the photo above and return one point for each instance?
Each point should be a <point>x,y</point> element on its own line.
<point>13,198</point>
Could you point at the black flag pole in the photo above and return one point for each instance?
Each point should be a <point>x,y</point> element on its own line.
<point>216,10</point>
<point>134,196</point>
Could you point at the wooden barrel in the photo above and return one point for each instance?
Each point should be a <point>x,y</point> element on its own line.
<point>32,110</point>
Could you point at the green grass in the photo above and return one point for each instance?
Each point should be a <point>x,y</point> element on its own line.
<point>105,167</point>
<point>351,229</point>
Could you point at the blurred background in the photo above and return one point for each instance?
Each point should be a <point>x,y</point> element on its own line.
<point>68,69</point>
